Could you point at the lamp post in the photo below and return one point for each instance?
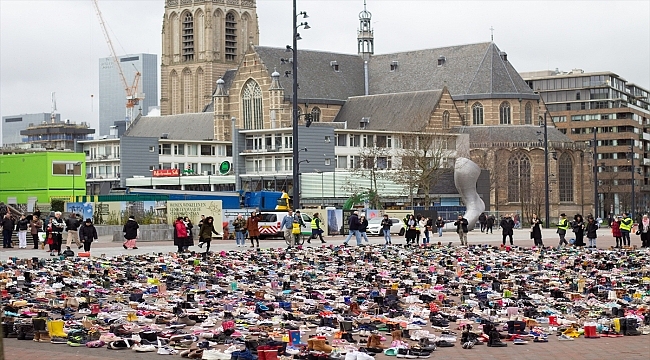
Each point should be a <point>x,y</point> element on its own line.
<point>595,173</point>
<point>294,49</point>
<point>546,188</point>
<point>633,209</point>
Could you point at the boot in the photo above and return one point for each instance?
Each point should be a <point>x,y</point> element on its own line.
<point>40,327</point>
<point>397,335</point>
<point>261,352</point>
<point>56,328</point>
<point>405,334</point>
<point>271,353</point>
<point>321,345</point>
<point>183,319</point>
<point>374,342</point>
<point>354,308</point>
<point>310,344</point>
<point>495,340</point>
<point>631,327</point>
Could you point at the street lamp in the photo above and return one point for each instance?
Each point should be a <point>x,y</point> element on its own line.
<point>631,155</point>
<point>294,49</point>
<point>546,188</point>
<point>596,198</point>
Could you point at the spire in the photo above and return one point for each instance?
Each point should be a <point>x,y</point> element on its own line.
<point>365,36</point>
<point>491,33</point>
<point>275,80</point>
<point>221,88</point>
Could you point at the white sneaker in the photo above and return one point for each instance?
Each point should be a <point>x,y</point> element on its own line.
<point>363,356</point>
<point>351,355</point>
<point>166,350</point>
<point>143,348</point>
<point>215,355</point>
<point>231,349</point>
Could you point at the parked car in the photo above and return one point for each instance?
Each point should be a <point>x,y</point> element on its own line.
<point>270,223</point>
<point>374,227</point>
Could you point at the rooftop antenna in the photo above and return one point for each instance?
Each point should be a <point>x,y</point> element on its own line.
<point>491,33</point>
<point>52,115</point>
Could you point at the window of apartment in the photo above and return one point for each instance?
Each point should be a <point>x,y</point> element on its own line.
<point>477,114</point>
<point>328,139</point>
<point>578,118</point>
<point>367,140</point>
<point>355,162</point>
<point>180,166</point>
<point>504,113</point>
<point>268,142</point>
<point>355,140</point>
<point>179,149</point>
<point>192,150</point>
<point>228,150</point>
<point>342,162</point>
<point>221,150</point>
<point>288,164</point>
<point>278,164</point>
<point>382,141</point>
<point>152,149</point>
<point>163,166</point>
<point>327,161</point>
<point>559,119</point>
<point>278,141</point>
<point>206,168</point>
<point>165,149</point>
<point>341,139</point>
<point>288,142</point>
<point>206,150</point>
<point>383,162</point>
<point>268,164</point>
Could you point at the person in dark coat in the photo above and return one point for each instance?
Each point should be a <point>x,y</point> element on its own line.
<point>180,233</point>
<point>507,224</point>
<point>130,231</point>
<point>205,233</point>
<point>189,240</point>
<point>411,232</point>
<point>644,231</point>
<point>462,229</point>
<point>482,219</point>
<point>536,231</point>
<point>21,226</point>
<point>590,229</point>
<point>8,226</point>
<point>440,224</point>
<point>489,223</point>
<point>35,226</point>
<point>579,230</point>
<point>87,234</point>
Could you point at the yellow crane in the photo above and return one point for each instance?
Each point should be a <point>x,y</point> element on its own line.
<point>132,96</point>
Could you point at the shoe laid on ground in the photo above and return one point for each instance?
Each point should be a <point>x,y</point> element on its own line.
<point>143,348</point>
<point>166,350</point>
<point>58,340</point>
<point>135,248</point>
<point>564,337</point>
<point>519,341</point>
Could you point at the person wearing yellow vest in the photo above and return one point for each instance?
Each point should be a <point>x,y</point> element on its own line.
<point>626,227</point>
<point>562,227</point>
<point>316,231</point>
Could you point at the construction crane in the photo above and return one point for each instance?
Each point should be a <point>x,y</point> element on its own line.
<point>132,96</point>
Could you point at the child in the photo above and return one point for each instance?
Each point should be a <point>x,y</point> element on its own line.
<point>87,233</point>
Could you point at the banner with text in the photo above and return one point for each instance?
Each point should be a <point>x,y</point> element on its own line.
<point>194,210</point>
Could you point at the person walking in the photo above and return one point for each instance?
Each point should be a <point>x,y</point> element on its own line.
<point>462,230</point>
<point>411,229</point>
<point>88,234</point>
<point>590,228</point>
<point>644,231</point>
<point>189,240</point>
<point>72,228</point>
<point>7,230</point>
<point>287,227</point>
<point>386,225</point>
<point>58,225</point>
<point>536,231</point>
<point>626,227</point>
<point>316,231</point>
<point>240,230</point>
<point>489,224</point>
<point>482,219</point>
<point>253,228</point>
<point>440,224</point>
<point>35,226</point>
<point>615,224</point>
<point>562,227</point>
<point>353,224</point>
<point>205,233</point>
<point>507,225</point>
<point>363,228</point>
<point>579,230</point>
<point>180,233</point>
<point>130,230</point>
<point>21,226</point>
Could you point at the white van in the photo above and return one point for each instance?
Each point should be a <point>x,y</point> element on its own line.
<point>270,224</point>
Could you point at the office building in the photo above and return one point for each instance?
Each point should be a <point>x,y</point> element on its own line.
<point>13,124</point>
<point>112,93</point>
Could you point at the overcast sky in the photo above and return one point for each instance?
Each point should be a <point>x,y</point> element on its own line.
<point>50,45</point>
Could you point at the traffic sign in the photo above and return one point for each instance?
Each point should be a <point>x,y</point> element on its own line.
<point>225,167</point>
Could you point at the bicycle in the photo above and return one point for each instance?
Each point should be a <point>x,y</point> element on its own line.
<point>299,240</point>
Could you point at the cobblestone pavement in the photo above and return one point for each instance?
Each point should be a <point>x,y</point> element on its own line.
<point>628,348</point>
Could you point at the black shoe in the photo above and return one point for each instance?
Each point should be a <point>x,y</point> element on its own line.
<point>309,241</point>
<point>201,245</point>
<point>323,241</point>
<point>124,246</point>
<point>135,248</point>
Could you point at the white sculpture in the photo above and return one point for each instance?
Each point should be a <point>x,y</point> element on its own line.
<point>466,173</point>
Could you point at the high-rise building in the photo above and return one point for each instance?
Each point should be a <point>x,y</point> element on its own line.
<point>112,93</point>
<point>13,124</point>
<point>201,40</point>
<point>619,113</point>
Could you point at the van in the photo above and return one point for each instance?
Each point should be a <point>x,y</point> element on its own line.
<point>270,224</point>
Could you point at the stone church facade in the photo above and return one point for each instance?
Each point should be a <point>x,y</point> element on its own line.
<point>482,95</point>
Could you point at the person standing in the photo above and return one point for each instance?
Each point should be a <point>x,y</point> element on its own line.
<point>88,234</point>
<point>440,224</point>
<point>35,226</point>
<point>614,224</point>
<point>130,230</point>
<point>428,229</point>
<point>7,230</point>
<point>72,227</point>
<point>411,229</point>
<point>626,227</point>
<point>252,225</point>
<point>240,230</point>
<point>205,233</point>
<point>591,228</point>
<point>461,229</point>
<point>353,224</point>
<point>363,228</point>
<point>386,225</point>
<point>316,231</point>
<point>287,227</point>
<point>296,226</point>
<point>507,224</point>
<point>425,230</point>
<point>189,240</point>
<point>21,226</point>
<point>489,224</point>
<point>644,231</point>
<point>536,231</point>
<point>579,230</point>
<point>58,225</point>
<point>180,233</point>
<point>482,219</point>
<point>562,227</point>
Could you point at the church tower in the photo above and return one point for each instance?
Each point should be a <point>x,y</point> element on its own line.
<point>201,40</point>
<point>365,37</point>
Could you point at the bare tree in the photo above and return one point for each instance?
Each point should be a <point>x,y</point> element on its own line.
<point>372,164</point>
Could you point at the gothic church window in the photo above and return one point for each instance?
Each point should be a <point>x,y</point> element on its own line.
<point>518,178</point>
<point>188,92</point>
<point>566,177</point>
<point>504,113</point>
<point>315,114</point>
<point>176,94</point>
<point>252,106</point>
<point>188,37</point>
<point>477,114</point>
<point>445,120</point>
<point>231,37</point>
<point>528,114</point>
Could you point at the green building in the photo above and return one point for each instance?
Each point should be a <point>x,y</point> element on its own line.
<point>37,177</point>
